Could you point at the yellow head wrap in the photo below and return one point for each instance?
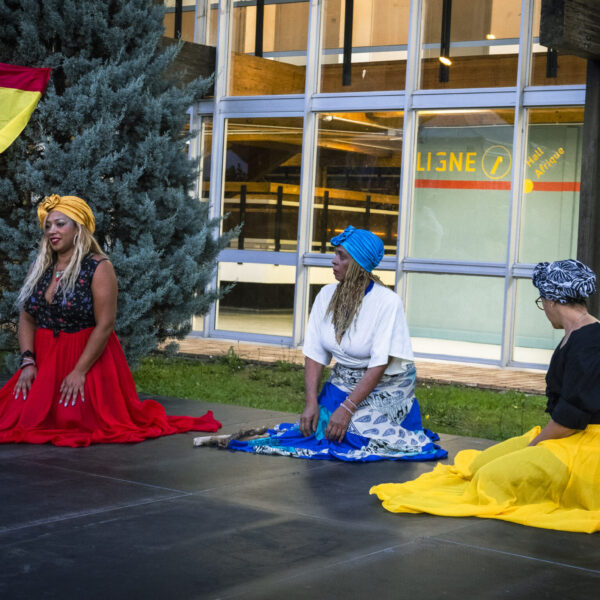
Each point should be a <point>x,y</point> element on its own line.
<point>72,206</point>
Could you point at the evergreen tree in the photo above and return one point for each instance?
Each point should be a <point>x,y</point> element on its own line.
<point>110,129</point>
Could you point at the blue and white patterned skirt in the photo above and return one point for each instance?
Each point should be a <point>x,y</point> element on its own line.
<point>387,425</point>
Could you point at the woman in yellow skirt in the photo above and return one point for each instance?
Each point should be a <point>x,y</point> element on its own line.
<point>547,477</point>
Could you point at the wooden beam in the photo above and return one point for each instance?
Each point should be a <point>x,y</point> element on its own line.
<point>252,75</point>
<point>571,27</point>
<point>588,244</point>
<point>261,76</point>
<point>193,60</point>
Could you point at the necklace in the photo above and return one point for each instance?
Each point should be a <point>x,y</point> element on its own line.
<point>58,275</point>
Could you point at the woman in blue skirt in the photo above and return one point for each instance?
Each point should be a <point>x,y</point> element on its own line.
<point>367,410</point>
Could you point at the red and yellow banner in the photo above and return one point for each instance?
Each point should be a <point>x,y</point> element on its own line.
<point>20,90</point>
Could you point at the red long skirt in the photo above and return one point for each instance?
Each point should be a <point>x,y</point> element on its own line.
<point>110,413</point>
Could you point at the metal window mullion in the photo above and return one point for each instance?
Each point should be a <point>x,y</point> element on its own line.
<point>194,153</point>
<point>178,21</point>
<point>214,199</point>
<point>224,27</point>
<point>259,29</point>
<point>313,49</point>
<point>218,139</point>
<point>518,173</point>
<point>304,245</point>
<point>200,22</point>
<point>195,147</point>
<point>347,61</point>
<point>408,144</point>
<point>304,226</point>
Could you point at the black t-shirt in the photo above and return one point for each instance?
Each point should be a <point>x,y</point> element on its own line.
<point>573,379</point>
<point>70,314</point>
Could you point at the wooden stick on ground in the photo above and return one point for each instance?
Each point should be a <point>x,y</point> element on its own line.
<point>222,440</point>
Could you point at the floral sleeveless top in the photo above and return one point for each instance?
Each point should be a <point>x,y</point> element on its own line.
<point>70,314</point>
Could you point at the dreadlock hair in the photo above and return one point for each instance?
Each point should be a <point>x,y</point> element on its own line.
<point>348,296</point>
<point>84,243</point>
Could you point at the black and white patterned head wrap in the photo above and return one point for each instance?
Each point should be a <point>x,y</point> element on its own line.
<point>564,280</point>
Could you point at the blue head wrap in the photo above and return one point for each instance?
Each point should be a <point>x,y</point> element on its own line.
<point>564,280</point>
<point>362,245</point>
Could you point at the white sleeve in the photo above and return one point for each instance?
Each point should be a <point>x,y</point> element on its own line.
<point>312,347</point>
<point>391,334</point>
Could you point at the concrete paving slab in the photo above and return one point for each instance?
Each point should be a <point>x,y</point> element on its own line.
<point>574,550</point>
<point>171,462</point>
<point>427,568</point>
<point>162,519</point>
<point>34,493</point>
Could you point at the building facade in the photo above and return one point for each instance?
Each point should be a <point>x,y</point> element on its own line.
<point>441,125</point>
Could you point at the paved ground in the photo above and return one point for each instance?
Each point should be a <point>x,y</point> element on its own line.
<point>162,519</point>
<point>525,380</point>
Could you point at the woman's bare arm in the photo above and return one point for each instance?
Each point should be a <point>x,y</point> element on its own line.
<point>313,371</point>
<point>26,336</point>
<point>552,431</point>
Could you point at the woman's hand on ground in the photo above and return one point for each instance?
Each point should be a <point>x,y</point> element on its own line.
<point>338,424</point>
<point>309,419</point>
<point>71,387</point>
<point>25,381</point>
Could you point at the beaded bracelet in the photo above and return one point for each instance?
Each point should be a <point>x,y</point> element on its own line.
<point>354,407</point>
<point>344,406</point>
<point>351,402</point>
<point>27,362</point>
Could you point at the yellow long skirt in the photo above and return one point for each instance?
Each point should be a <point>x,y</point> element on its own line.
<point>554,485</point>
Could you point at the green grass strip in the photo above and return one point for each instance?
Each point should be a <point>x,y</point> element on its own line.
<point>227,379</point>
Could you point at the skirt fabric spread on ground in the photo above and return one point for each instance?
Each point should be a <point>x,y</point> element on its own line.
<point>553,485</point>
<point>387,426</point>
<point>111,411</point>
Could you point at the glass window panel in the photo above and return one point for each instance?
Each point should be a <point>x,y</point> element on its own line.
<point>550,200</point>
<point>188,19</point>
<point>455,315</point>
<point>261,301</point>
<point>262,182</point>
<point>357,175</point>
<point>269,58</point>
<point>379,42</point>
<point>211,23</point>
<point>477,42</point>
<point>462,185</point>
<point>320,276</point>
<point>206,149</point>
<point>549,67</point>
<point>535,338</point>
<point>203,183</point>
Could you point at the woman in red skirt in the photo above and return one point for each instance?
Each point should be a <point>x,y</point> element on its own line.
<point>74,387</point>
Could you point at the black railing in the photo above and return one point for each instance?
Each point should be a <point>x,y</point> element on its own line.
<point>241,237</point>
<point>444,75</point>
<point>178,18</point>
<point>278,218</point>
<point>367,215</point>
<point>324,219</point>
<point>347,64</point>
<point>260,24</point>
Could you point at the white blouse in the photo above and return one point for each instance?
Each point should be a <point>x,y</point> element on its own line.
<point>378,332</point>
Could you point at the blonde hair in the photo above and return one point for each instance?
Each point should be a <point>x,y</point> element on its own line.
<point>348,296</point>
<point>84,243</point>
